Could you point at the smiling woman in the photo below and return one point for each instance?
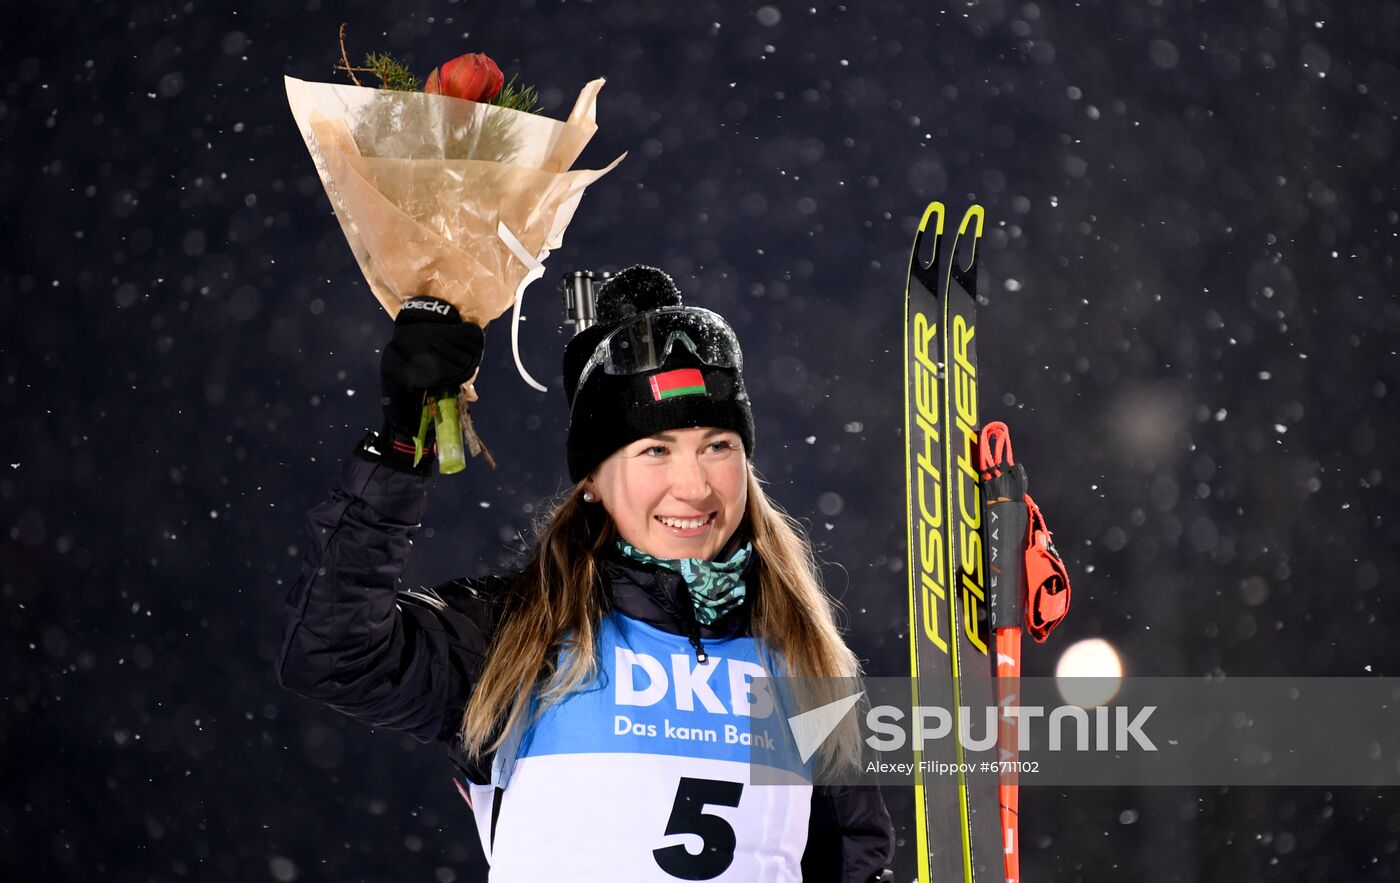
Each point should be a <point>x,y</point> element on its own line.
<point>582,696</point>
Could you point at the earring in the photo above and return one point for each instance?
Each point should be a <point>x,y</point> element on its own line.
<point>588,497</point>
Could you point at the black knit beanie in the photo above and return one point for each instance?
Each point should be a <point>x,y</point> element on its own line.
<point>613,411</point>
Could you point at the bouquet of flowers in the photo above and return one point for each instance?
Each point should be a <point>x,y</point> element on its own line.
<point>440,192</point>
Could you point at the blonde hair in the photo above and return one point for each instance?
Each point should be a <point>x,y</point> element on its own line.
<point>554,606</point>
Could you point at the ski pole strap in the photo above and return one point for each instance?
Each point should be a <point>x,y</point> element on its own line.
<point>1027,577</point>
<point>1046,578</point>
<point>995,449</point>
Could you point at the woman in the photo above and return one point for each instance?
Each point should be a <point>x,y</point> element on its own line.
<point>582,698</point>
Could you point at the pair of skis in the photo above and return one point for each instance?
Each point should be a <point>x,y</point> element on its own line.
<point>959,823</point>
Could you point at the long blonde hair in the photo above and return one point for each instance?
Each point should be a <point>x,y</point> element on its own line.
<point>554,606</point>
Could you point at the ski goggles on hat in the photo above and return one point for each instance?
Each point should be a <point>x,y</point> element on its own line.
<point>644,343</point>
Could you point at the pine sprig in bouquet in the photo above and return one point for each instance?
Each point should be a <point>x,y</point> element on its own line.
<point>393,74</point>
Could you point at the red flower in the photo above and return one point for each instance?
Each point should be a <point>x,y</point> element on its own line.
<point>472,76</point>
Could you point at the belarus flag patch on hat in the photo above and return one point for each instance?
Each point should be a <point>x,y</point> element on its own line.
<point>681,382</point>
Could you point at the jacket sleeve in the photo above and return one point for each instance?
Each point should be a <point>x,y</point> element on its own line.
<point>403,662</point>
<point>850,837</point>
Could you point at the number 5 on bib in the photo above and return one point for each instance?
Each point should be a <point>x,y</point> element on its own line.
<point>688,816</point>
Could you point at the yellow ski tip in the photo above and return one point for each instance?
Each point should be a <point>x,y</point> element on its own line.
<point>973,212</point>
<point>933,208</point>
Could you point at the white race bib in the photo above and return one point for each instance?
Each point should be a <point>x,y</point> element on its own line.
<point>646,774</point>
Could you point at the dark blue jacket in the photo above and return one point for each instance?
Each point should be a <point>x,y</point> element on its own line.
<point>407,661</point>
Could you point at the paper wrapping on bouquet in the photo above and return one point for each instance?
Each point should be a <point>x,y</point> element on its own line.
<point>442,196</point>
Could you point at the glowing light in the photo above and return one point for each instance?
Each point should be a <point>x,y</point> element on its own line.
<point>1089,673</point>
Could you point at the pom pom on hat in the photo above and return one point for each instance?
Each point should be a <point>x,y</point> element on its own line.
<point>635,290</point>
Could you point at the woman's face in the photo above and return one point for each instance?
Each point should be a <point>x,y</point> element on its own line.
<point>677,494</point>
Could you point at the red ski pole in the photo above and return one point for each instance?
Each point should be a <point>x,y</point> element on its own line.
<point>1004,489</point>
<point>1030,590</point>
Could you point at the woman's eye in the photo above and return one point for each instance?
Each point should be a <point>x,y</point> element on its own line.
<point>655,451</point>
<point>722,445</point>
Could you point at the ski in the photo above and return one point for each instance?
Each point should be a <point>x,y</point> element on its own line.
<point>979,802</point>
<point>958,819</point>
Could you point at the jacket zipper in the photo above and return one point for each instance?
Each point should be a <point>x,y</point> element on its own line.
<point>701,656</point>
<point>692,628</point>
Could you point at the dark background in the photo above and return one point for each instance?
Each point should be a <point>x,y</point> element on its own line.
<point>1190,324</point>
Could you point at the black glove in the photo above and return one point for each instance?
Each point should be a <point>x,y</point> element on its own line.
<point>432,351</point>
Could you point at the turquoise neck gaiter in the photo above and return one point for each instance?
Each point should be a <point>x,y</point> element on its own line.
<point>715,587</point>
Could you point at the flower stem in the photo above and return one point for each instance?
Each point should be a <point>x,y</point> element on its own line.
<point>448,427</point>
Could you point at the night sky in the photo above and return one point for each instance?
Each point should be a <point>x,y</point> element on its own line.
<point>1189,323</point>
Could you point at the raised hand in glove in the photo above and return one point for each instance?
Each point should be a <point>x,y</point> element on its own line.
<point>432,353</point>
